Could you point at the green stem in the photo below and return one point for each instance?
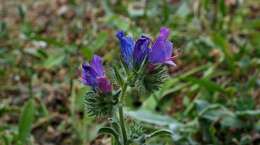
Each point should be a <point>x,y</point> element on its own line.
<point>121,115</point>
<point>122,124</point>
<point>123,92</point>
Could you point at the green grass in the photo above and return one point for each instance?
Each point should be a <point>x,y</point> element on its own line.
<point>213,96</point>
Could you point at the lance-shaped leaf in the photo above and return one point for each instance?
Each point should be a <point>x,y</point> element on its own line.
<point>111,131</point>
<point>26,121</point>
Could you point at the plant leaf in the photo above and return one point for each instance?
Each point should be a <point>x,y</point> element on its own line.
<point>99,41</point>
<point>111,131</point>
<point>216,112</point>
<point>159,132</point>
<point>26,121</point>
<point>150,117</point>
<point>53,61</point>
<point>209,85</point>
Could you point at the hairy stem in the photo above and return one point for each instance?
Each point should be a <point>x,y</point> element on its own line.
<point>122,124</point>
<point>121,115</point>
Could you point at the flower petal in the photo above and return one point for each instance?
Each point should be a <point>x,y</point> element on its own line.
<point>88,75</point>
<point>170,62</point>
<point>104,84</point>
<point>157,54</point>
<point>141,49</point>
<point>168,48</point>
<point>161,50</point>
<point>164,33</point>
<point>127,46</point>
<point>96,64</point>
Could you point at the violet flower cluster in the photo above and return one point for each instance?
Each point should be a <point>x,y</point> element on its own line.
<point>144,65</point>
<point>134,53</point>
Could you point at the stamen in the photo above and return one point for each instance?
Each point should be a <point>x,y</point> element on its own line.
<point>175,56</point>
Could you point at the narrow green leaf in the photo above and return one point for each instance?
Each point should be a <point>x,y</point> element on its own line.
<point>222,43</point>
<point>87,53</point>
<point>3,29</point>
<point>222,7</point>
<point>53,61</point>
<point>218,113</point>
<point>118,76</point>
<point>183,10</point>
<point>248,113</point>
<point>111,131</point>
<point>150,117</point>
<point>26,121</point>
<point>105,4</point>
<point>209,85</point>
<point>48,40</point>
<point>166,11</point>
<point>158,133</point>
<point>108,130</point>
<point>119,22</point>
<point>99,41</point>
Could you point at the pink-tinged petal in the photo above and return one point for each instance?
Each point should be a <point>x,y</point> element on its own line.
<point>170,62</point>
<point>104,85</point>
<point>151,67</point>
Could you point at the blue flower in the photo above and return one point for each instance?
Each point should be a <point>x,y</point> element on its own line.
<point>141,50</point>
<point>127,46</point>
<point>93,75</point>
<point>162,49</point>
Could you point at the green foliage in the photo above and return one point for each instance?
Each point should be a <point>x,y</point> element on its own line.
<point>3,29</point>
<point>108,130</point>
<point>26,121</point>
<point>151,117</point>
<point>212,96</point>
<point>135,130</point>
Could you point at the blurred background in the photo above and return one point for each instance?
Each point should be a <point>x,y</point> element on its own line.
<point>216,82</point>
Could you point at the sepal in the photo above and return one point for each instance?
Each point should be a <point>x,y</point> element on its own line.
<point>154,77</point>
<point>135,130</point>
<point>101,105</point>
<point>118,76</point>
<point>136,133</point>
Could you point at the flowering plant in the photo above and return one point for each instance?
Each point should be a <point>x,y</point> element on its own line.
<point>144,65</point>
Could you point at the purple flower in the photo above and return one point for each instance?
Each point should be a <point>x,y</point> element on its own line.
<point>104,84</point>
<point>141,50</point>
<point>162,49</point>
<point>93,75</point>
<point>127,46</point>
